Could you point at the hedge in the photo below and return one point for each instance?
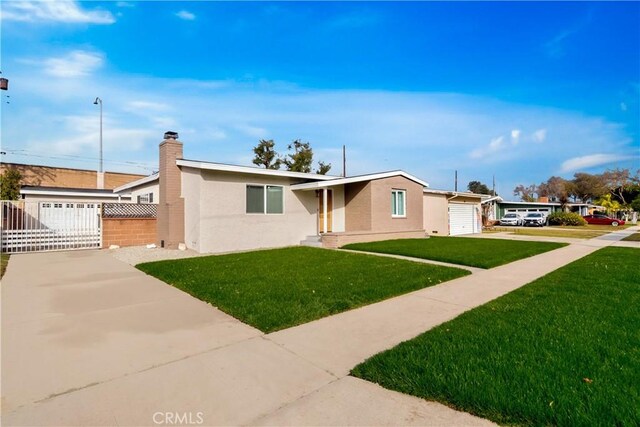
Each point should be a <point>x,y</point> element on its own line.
<point>566,218</point>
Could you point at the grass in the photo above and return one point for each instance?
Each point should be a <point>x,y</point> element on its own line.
<point>4,261</point>
<point>483,253</point>
<point>635,237</point>
<point>563,350</point>
<point>280,288</point>
<point>605,228</point>
<point>559,232</point>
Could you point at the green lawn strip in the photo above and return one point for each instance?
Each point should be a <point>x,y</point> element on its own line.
<point>280,288</point>
<point>483,253</point>
<point>635,237</point>
<point>4,261</point>
<point>563,350</point>
<point>554,232</point>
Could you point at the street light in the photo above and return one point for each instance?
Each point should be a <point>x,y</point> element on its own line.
<point>96,102</point>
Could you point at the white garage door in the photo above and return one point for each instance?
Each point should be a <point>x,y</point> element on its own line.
<point>461,219</point>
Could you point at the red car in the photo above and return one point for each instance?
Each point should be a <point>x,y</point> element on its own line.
<point>600,219</point>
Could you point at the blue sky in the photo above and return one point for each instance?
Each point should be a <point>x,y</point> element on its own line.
<point>520,90</point>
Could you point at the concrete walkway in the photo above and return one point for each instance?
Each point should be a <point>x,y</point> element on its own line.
<point>89,340</point>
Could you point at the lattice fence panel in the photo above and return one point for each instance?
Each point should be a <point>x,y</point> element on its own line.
<point>129,210</point>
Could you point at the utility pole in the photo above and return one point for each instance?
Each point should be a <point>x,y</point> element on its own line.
<point>493,190</point>
<point>100,182</point>
<point>455,185</point>
<point>344,161</point>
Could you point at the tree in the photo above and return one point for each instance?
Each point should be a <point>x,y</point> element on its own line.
<point>323,168</point>
<point>635,204</point>
<point>526,193</point>
<point>587,187</point>
<point>610,205</point>
<point>478,188</point>
<point>618,182</point>
<point>302,157</point>
<point>10,184</point>
<point>266,155</point>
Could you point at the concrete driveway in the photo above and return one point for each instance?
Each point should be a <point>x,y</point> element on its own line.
<point>90,340</point>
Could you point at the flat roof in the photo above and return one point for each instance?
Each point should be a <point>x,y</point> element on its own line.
<point>456,193</point>
<point>58,191</point>
<point>222,167</point>
<point>137,182</point>
<point>357,178</point>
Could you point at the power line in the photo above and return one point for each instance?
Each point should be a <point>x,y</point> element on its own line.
<point>69,157</point>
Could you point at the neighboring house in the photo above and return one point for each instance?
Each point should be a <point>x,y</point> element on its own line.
<point>497,207</point>
<point>452,213</point>
<point>59,194</point>
<point>214,207</point>
<point>143,190</point>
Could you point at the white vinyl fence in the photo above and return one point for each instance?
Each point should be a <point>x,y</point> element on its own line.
<point>30,226</point>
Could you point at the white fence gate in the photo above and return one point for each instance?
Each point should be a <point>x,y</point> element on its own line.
<point>31,226</point>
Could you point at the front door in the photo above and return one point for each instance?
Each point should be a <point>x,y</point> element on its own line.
<point>321,211</point>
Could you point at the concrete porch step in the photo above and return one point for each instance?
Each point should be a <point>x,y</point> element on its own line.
<point>315,241</point>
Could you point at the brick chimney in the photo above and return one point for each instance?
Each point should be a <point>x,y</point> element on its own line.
<point>170,204</point>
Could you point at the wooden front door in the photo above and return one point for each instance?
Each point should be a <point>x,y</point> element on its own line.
<point>321,212</point>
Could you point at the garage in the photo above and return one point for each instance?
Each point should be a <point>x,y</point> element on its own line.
<point>462,219</point>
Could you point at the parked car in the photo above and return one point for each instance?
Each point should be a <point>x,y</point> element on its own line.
<point>535,219</point>
<point>603,220</point>
<point>512,219</point>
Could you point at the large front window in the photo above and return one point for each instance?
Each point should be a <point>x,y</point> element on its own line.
<point>267,199</point>
<point>398,203</point>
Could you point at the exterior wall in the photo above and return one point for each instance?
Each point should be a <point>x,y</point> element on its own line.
<point>224,225</point>
<point>170,201</point>
<point>338,214</point>
<point>381,219</point>
<point>191,183</point>
<point>128,232</point>
<point>334,241</point>
<point>436,214</point>
<point>47,176</point>
<point>152,187</point>
<point>502,207</point>
<point>357,199</point>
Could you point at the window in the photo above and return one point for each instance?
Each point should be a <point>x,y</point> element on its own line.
<point>80,205</point>
<point>46,205</point>
<point>69,205</point>
<point>145,198</point>
<point>57,205</point>
<point>265,199</point>
<point>398,203</point>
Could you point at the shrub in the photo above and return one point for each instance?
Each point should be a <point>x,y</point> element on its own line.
<point>566,218</point>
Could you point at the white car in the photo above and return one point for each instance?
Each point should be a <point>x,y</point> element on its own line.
<point>535,219</point>
<point>512,219</point>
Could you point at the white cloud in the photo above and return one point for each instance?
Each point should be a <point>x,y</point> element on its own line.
<point>56,11</point>
<point>186,15</point>
<point>124,4</point>
<point>515,136</point>
<point>136,106</point>
<point>584,162</point>
<point>539,136</point>
<point>494,145</point>
<point>77,63</point>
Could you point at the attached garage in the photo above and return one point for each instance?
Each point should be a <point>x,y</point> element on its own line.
<point>462,219</point>
<point>451,213</point>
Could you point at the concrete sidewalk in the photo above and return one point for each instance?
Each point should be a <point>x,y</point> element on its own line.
<point>89,340</point>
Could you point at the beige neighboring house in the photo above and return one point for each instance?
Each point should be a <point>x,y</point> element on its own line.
<point>452,213</point>
<point>214,207</point>
<point>143,190</point>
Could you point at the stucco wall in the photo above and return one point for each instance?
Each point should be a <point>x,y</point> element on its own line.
<point>151,187</point>
<point>381,218</point>
<point>338,210</point>
<point>436,214</point>
<point>191,180</point>
<point>225,226</point>
<point>357,197</point>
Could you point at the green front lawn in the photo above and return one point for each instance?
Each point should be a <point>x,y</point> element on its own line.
<point>4,261</point>
<point>476,252</point>
<point>635,237</point>
<point>560,232</point>
<point>280,288</point>
<point>563,350</point>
